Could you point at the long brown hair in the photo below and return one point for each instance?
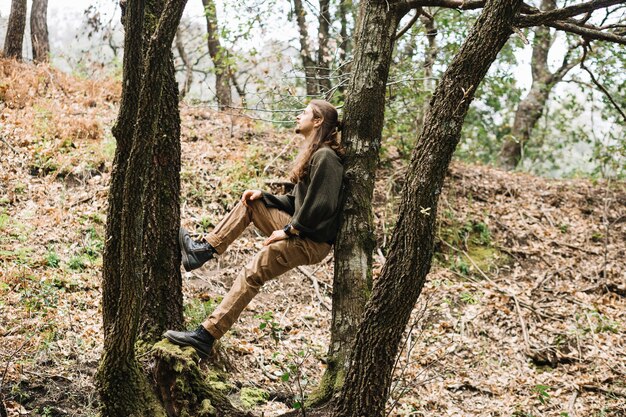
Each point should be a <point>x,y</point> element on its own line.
<point>325,135</point>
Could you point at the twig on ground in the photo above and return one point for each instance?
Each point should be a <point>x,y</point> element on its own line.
<point>571,408</point>
<point>8,144</point>
<point>316,287</point>
<point>281,153</point>
<point>529,349</point>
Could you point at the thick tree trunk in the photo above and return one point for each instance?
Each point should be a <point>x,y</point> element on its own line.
<point>305,53</point>
<point>363,122</point>
<point>219,55</point>
<point>39,30</point>
<point>368,380</point>
<point>142,154</point>
<point>15,30</point>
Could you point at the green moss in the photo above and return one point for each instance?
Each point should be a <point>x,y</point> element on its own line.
<point>332,382</point>
<point>485,257</point>
<point>207,409</point>
<point>253,396</point>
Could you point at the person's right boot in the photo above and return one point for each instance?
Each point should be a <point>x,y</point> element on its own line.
<point>195,253</point>
<point>200,339</point>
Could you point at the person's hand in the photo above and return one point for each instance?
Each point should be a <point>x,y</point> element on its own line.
<point>275,237</point>
<point>250,195</point>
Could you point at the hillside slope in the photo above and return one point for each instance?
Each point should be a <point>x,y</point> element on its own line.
<point>523,314</point>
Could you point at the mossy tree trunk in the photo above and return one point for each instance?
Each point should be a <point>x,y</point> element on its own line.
<point>143,193</point>
<point>363,123</point>
<point>14,38</point>
<point>39,30</point>
<point>387,312</point>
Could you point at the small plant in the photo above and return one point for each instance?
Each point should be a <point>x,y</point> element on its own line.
<point>4,219</point>
<point>459,265</point>
<point>197,310</point>
<point>564,228</point>
<point>468,298</point>
<point>542,393</point>
<point>52,258</point>
<point>77,263</point>
<point>268,322</point>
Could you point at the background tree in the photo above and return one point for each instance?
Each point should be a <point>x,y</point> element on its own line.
<point>530,109</point>
<point>143,214</point>
<point>219,55</point>
<point>317,66</point>
<point>15,30</point>
<point>39,30</point>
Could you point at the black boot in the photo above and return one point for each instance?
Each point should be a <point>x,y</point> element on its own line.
<point>195,253</point>
<point>200,339</point>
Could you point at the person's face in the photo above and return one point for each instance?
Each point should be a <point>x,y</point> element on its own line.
<point>306,121</point>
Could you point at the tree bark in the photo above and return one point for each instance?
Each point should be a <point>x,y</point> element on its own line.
<point>368,380</point>
<point>219,55</point>
<point>39,30</point>
<point>140,198</point>
<point>15,30</point>
<point>363,122</point>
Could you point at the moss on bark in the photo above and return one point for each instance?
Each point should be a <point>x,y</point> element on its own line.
<point>187,390</point>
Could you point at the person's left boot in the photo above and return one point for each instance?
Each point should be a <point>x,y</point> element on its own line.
<point>195,253</point>
<point>200,339</point>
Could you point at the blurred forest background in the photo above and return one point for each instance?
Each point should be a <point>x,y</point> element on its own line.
<point>265,49</point>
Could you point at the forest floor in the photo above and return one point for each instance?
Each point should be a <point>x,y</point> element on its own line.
<point>523,313</point>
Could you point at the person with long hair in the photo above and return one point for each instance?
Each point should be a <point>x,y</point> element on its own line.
<point>301,226</point>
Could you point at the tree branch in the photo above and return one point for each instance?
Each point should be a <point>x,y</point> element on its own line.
<point>566,65</point>
<point>409,25</point>
<point>450,4</point>
<point>587,31</point>
<point>564,13</point>
<point>597,83</point>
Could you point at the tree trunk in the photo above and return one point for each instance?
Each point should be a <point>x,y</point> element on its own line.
<point>531,107</point>
<point>429,63</point>
<point>219,55</point>
<point>345,44</point>
<point>323,54</point>
<point>15,30</point>
<point>136,217</point>
<point>39,30</point>
<point>305,53</point>
<point>180,47</point>
<point>363,122</point>
<point>368,380</point>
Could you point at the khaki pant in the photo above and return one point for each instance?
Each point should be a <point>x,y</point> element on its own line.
<point>272,261</point>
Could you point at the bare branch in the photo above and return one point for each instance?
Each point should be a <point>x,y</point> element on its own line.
<point>587,31</point>
<point>597,83</point>
<point>410,24</point>
<point>543,18</point>
<point>450,4</point>
<point>566,64</point>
